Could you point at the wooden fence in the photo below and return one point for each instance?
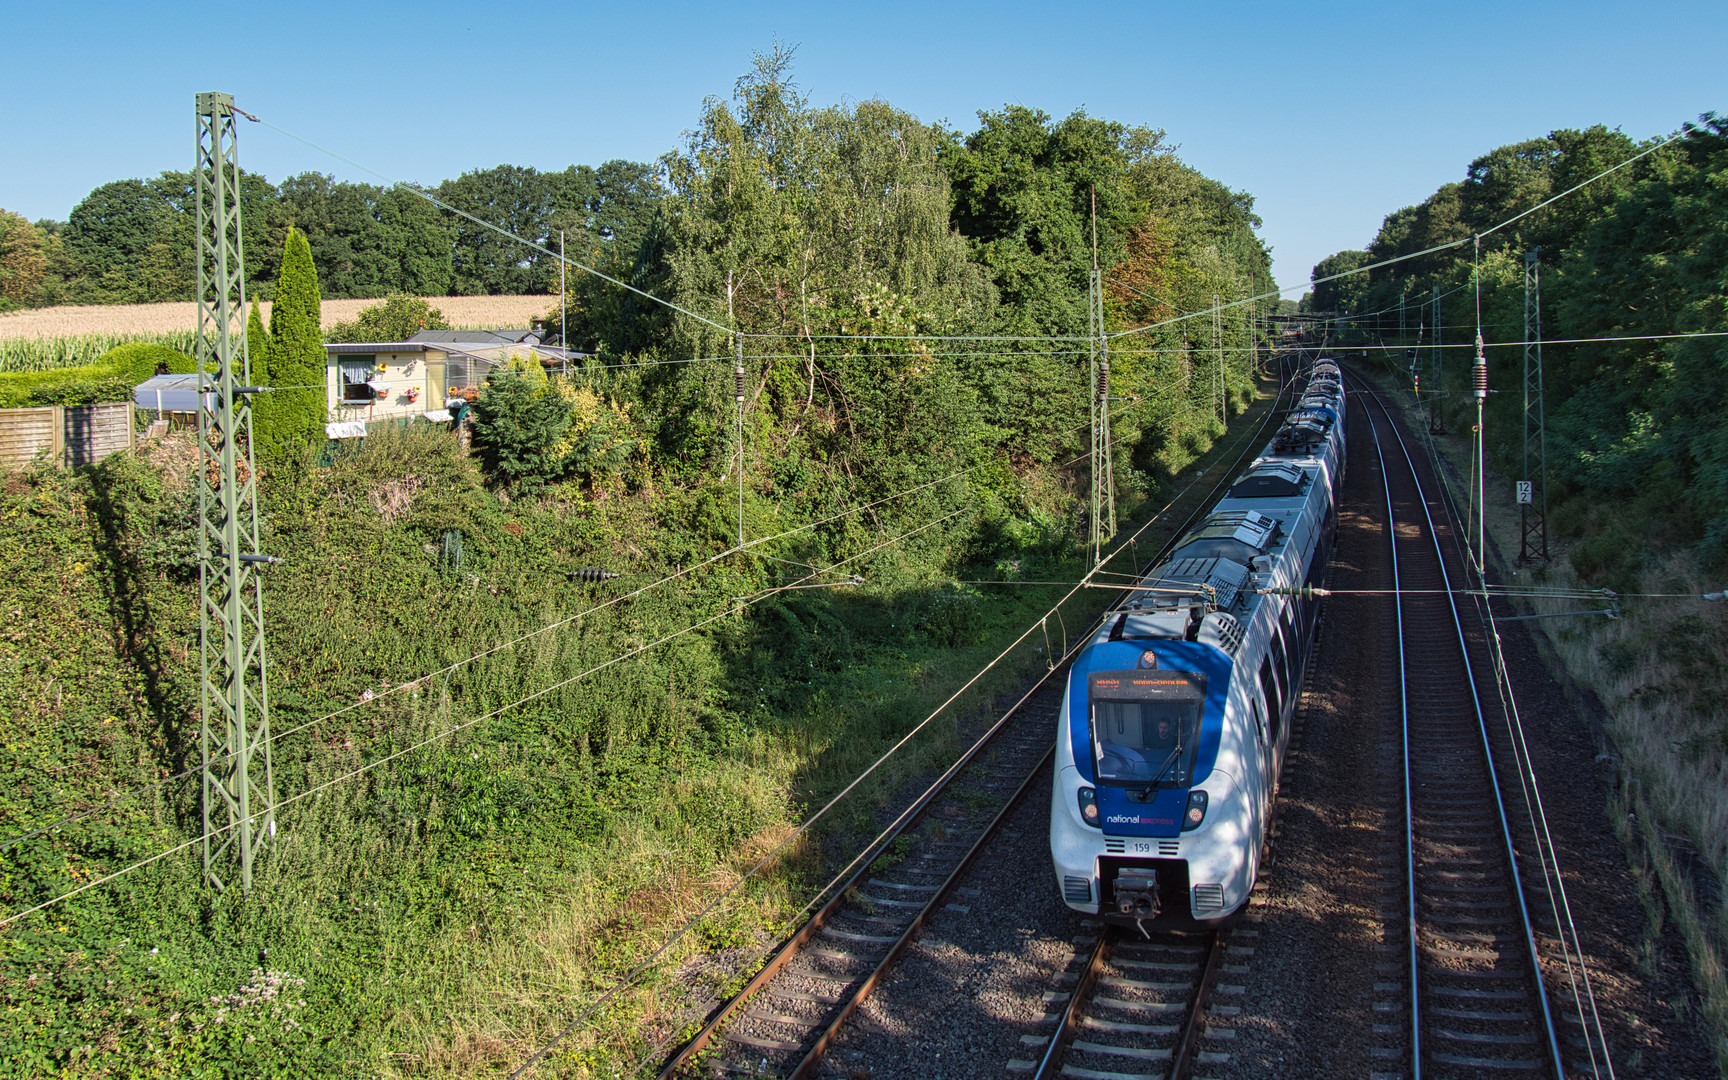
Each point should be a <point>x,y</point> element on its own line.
<point>71,434</point>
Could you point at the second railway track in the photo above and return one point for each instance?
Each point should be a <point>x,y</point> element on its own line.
<point>1474,1002</point>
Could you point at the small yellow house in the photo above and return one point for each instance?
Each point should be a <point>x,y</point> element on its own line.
<point>423,376</point>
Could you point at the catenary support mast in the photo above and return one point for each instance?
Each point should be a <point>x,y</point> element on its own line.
<point>1437,371</point>
<point>1103,474</point>
<point>234,706</point>
<point>1533,489</point>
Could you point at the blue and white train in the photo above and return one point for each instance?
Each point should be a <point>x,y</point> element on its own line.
<point>1177,714</point>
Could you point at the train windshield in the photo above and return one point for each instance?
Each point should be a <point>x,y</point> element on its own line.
<point>1145,726</point>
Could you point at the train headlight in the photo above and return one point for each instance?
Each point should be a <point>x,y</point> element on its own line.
<point>1089,806</point>
<point>1196,812</point>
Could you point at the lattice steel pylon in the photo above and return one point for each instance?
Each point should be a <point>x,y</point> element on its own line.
<point>1218,344</point>
<point>1533,489</point>
<point>234,707</point>
<point>1103,471</point>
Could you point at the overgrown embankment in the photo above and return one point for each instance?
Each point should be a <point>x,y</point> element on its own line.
<point>435,914</point>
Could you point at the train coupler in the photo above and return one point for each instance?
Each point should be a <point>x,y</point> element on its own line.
<point>1136,896</point>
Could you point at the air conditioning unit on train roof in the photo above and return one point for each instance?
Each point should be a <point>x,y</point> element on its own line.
<point>1180,585</point>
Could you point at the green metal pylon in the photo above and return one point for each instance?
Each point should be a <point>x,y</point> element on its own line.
<point>1103,468</point>
<point>1103,520</point>
<point>234,708</point>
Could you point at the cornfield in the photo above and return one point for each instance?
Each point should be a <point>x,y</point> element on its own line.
<point>45,339</point>
<point>469,312</point>
<point>50,354</point>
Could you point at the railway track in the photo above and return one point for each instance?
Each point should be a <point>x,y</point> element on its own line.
<point>1137,1011</point>
<point>790,1012</point>
<point>1475,1002</point>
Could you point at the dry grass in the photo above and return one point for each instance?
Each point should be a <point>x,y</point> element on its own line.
<point>75,320</point>
<point>510,993</point>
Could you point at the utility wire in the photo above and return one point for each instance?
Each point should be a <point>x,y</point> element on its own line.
<point>741,603</point>
<point>1476,239</point>
<point>635,974</point>
<point>435,201</point>
<point>1121,544</point>
<point>417,681</point>
<point>1658,144</point>
<point>115,800</point>
<point>1552,341</point>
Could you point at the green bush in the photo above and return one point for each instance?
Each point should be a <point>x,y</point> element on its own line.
<point>140,359</point>
<point>68,386</point>
<point>519,421</point>
<point>111,378</point>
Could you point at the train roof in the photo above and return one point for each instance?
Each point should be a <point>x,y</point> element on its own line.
<point>1272,480</point>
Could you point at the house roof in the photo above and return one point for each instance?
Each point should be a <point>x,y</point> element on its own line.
<point>479,337</point>
<point>335,348</point>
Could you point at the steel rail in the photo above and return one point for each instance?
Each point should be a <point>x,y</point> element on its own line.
<point>811,1059</point>
<point>1404,726</point>
<point>1546,856</point>
<point>1182,1055</point>
<point>909,817</point>
<point>1510,849</point>
<point>1069,1024</point>
<point>1183,1061</point>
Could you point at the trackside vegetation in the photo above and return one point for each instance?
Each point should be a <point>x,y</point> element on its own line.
<point>502,783</point>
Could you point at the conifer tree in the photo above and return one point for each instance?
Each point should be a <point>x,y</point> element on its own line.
<point>290,418</point>
<point>257,342</point>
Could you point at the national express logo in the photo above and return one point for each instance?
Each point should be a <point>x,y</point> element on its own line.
<point>1124,819</point>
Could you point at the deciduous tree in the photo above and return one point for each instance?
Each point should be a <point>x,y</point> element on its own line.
<point>23,264</point>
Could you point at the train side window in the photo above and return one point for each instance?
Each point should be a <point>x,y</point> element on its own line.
<point>1281,666</point>
<point>1269,688</point>
<point>1293,648</point>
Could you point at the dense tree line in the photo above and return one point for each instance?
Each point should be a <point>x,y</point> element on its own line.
<point>130,241</point>
<point>1637,454</point>
<point>912,308</point>
<point>912,298</point>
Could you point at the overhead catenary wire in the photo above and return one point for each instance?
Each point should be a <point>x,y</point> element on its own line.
<point>535,245</point>
<point>1475,239</point>
<point>1520,343</point>
<point>1554,880</point>
<point>1078,339</point>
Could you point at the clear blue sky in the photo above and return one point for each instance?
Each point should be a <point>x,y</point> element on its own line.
<point>1330,114</point>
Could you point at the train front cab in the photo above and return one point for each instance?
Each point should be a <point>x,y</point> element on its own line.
<point>1166,844</point>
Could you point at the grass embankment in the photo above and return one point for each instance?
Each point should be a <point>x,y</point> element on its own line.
<point>445,912</point>
<point>1660,671</point>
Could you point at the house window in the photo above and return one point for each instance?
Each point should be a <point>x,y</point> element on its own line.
<point>356,371</point>
<point>455,371</point>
